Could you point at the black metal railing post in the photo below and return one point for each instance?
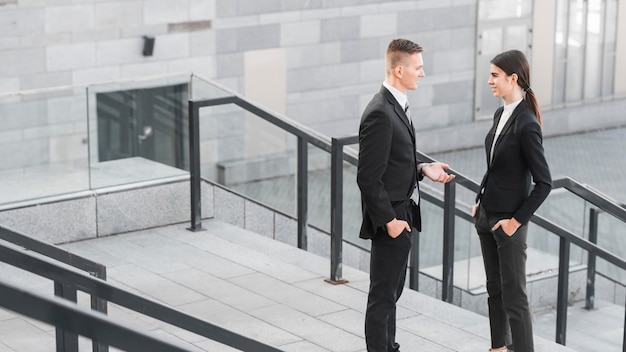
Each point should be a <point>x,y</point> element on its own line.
<point>80,321</point>
<point>591,260</point>
<point>99,305</point>
<point>337,155</point>
<point>562,291</point>
<point>194,167</point>
<point>302,190</point>
<point>624,337</point>
<point>76,280</point>
<point>449,206</point>
<point>95,269</point>
<point>336,212</point>
<point>66,341</point>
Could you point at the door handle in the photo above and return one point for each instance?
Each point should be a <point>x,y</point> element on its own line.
<point>147,132</point>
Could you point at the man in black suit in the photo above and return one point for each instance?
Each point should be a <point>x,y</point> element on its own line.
<point>387,174</point>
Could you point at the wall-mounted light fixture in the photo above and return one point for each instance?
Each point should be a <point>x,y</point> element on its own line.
<point>148,45</point>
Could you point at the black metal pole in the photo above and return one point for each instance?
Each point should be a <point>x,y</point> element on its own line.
<point>99,305</point>
<point>336,212</point>
<point>70,317</point>
<point>194,167</point>
<point>302,190</point>
<point>591,260</point>
<point>66,341</point>
<point>624,337</point>
<point>449,205</point>
<point>562,291</point>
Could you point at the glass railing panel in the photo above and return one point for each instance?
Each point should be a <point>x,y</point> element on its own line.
<point>431,239</point>
<point>569,155</point>
<point>352,212</point>
<point>611,236</point>
<point>468,265</point>
<point>468,261</point>
<point>43,144</point>
<point>543,252</point>
<point>138,130</point>
<point>202,89</point>
<point>245,153</point>
<point>319,185</point>
<point>568,211</point>
<point>465,198</point>
<point>470,162</point>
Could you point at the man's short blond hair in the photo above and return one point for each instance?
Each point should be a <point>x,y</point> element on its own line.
<point>398,52</point>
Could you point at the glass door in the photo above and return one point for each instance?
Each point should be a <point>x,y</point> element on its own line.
<point>151,123</point>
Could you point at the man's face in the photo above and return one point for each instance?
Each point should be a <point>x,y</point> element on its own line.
<point>411,72</point>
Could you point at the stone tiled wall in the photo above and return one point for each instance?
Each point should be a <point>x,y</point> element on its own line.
<point>104,212</point>
<point>335,50</point>
<point>335,60</point>
<point>44,131</point>
<point>47,44</point>
<point>334,54</point>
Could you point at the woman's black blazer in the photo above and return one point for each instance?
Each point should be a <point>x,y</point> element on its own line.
<point>518,159</point>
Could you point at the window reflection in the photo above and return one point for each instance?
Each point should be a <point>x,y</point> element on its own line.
<point>499,9</point>
<point>608,59</point>
<point>503,25</point>
<point>584,49</point>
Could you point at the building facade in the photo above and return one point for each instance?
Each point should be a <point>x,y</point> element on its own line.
<point>319,62</point>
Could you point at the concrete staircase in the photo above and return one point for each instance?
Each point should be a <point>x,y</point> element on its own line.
<point>253,285</point>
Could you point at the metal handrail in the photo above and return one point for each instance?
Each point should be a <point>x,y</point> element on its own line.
<point>96,269</point>
<point>49,269</point>
<point>304,134</point>
<point>448,204</point>
<point>566,239</point>
<point>338,155</point>
<point>69,342</point>
<point>593,196</point>
<point>78,321</point>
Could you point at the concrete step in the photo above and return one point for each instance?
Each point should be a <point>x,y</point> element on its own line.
<point>255,286</point>
<point>599,329</point>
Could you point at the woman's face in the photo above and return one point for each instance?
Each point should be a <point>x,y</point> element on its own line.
<point>501,84</point>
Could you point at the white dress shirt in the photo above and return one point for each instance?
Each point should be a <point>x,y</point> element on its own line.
<point>506,114</point>
<point>401,98</point>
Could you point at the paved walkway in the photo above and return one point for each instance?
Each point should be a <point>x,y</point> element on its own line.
<point>598,330</point>
<point>252,285</point>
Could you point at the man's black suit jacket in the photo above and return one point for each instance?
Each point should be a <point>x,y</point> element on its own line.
<point>387,166</point>
<point>518,156</point>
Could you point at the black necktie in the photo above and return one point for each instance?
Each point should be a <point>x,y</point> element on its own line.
<point>408,114</point>
<point>415,195</point>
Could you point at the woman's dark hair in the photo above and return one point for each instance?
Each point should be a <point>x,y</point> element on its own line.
<point>514,61</point>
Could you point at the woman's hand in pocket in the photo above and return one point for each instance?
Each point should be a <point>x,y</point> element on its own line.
<point>395,227</point>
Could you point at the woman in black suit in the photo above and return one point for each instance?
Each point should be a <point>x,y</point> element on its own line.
<point>506,202</point>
